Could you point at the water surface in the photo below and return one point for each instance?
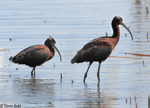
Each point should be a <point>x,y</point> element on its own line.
<point>72,24</point>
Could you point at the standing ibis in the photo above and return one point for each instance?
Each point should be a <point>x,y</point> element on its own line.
<point>100,48</point>
<point>37,54</point>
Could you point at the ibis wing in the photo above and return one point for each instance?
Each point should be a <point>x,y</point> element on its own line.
<point>95,50</point>
<point>32,55</point>
<point>98,41</point>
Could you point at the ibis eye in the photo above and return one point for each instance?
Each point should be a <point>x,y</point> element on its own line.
<point>119,22</point>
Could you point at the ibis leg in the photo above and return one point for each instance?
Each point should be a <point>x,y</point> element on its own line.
<point>32,71</point>
<point>98,76</point>
<point>87,71</point>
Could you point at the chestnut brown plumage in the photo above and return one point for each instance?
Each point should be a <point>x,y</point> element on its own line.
<point>100,48</point>
<point>37,54</point>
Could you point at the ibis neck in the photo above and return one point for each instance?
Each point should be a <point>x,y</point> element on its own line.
<point>51,53</point>
<point>116,33</point>
<point>51,48</point>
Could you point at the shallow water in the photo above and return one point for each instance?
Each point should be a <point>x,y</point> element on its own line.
<point>72,24</point>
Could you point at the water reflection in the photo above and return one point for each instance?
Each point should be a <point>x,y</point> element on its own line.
<point>73,24</point>
<point>140,27</point>
<point>93,98</point>
<point>140,18</point>
<point>138,2</point>
<point>34,90</point>
<point>138,6</point>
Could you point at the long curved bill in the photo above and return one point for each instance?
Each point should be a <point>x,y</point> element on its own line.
<point>127,29</point>
<point>57,51</point>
